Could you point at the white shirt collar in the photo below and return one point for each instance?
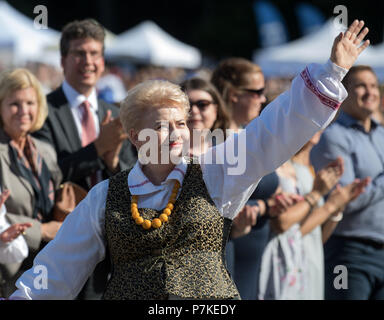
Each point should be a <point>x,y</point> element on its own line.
<point>75,99</point>
<point>139,184</point>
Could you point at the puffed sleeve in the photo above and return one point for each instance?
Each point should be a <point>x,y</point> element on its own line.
<point>283,127</point>
<point>61,269</point>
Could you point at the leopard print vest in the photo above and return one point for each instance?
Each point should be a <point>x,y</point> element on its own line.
<point>183,258</point>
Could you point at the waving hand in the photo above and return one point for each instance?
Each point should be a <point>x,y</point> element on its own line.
<point>346,47</point>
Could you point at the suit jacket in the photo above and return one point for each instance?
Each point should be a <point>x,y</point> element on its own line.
<point>77,162</point>
<point>20,205</point>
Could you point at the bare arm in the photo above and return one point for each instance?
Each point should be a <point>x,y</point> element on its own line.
<point>293,214</point>
<point>327,229</point>
<point>336,202</point>
<point>325,180</point>
<point>316,218</point>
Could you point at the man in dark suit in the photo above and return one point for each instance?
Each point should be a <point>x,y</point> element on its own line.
<point>85,131</point>
<point>82,59</point>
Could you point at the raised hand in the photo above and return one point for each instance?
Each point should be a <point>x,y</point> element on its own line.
<point>346,49</point>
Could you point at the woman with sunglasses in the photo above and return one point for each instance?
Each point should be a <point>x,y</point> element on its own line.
<point>241,84</point>
<point>207,113</point>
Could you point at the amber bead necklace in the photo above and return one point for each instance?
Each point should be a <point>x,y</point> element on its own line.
<point>157,222</point>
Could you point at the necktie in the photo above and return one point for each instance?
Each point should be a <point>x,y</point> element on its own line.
<point>88,130</point>
<point>88,133</point>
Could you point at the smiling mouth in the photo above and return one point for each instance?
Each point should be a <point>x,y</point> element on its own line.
<point>175,144</point>
<point>24,120</point>
<point>87,73</point>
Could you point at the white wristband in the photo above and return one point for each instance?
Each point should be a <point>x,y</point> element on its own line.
<point>337,218</point>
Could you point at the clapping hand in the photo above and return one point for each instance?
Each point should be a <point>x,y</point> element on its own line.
<point>111,135</point>
<point>281,201</point>
<point>110,141</point>
<point>328,177</point>
<point>244,221</point>
<point>16,229</point>
<point>340,197</point>
<point>346,47</point>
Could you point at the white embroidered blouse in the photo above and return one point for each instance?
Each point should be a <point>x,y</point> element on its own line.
<point>284,126</point>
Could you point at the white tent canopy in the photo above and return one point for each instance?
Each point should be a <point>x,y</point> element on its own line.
<point>148,43</point>
<point>377,61</point>
<point>289,59</point>
<point>25,42</point>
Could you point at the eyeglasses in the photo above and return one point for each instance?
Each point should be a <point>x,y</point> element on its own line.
<point>201,104</point>
<point>80,54</point>
<point>259,92</point>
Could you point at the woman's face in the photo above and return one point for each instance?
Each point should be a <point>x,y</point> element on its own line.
<point>19,111</point>
<point>247,104</point>
<point>163,135</point>
<point>203,110</point>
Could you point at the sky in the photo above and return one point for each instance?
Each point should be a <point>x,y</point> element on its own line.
<point>219,28</point>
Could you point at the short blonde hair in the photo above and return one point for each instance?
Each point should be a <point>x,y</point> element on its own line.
<point>150,94</point>
<point>18,79</point>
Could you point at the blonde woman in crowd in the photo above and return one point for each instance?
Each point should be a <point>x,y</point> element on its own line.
<point>28,166</point>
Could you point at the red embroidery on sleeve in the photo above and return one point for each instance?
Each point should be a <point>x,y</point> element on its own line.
<point>327,101</point>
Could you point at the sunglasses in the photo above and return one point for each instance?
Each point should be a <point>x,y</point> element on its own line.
<point>201,104</point>
<point>259,92</point>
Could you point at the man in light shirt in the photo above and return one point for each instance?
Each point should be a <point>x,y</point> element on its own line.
<point>358,240</point>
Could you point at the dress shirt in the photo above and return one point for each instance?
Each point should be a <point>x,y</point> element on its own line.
<point>363,154</point>
<point>75,99</point>
<point>271,139</point>
<point>13,251</point>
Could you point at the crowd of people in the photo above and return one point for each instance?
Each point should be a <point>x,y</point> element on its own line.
<point>166,215</point>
